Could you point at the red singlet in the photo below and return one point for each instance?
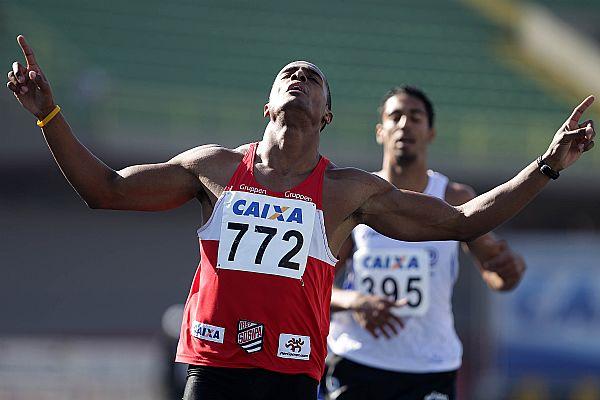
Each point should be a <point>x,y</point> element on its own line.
<point>261,294</point>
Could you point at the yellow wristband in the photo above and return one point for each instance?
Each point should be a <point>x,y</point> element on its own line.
<point>49,117</point>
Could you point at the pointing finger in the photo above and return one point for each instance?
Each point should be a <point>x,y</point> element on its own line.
<point>578,111</point>
<point>27,52</point>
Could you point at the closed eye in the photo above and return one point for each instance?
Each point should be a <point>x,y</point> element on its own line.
<point>312,75</point>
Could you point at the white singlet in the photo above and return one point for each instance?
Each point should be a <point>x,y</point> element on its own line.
<point>428,343</point>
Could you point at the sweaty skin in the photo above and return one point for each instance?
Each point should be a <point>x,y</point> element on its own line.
<point>296,112</point>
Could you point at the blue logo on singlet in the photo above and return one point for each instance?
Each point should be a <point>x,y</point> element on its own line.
<point>391,262</point>
<point>433,255</point>
<point>267,211</point>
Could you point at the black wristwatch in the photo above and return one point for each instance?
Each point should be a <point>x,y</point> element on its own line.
<point>546,169</point>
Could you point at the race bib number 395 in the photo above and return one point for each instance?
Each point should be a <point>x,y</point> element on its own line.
<point>395,274</point>
<point>265,235</point>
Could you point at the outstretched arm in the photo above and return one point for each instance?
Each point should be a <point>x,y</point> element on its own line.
<point>412,216</point>
<point>142,187</point>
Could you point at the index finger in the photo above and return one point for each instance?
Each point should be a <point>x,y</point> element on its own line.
<point>578,111</point>
<point>27,51</point>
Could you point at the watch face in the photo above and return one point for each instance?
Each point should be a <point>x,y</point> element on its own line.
<point>546,170</point>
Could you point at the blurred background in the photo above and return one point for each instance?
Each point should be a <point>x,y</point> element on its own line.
<point>88,299</point>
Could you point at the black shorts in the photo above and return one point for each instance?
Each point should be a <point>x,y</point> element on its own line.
<point>212,383</point>
<point>347,380</point>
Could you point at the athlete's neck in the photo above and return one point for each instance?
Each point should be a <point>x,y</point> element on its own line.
<point>289,150</point>
<point>410,176</point>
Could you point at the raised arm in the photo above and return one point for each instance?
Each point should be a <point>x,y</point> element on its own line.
<point>412,216</point>
<point>142,187</point>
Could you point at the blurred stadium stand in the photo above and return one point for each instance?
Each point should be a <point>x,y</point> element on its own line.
<point>181,74</point>
<point>142,81</point>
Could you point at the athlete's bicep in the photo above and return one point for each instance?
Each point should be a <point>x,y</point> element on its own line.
<point>161,186</point>
<point>410,216</point>
<point>153,187</point>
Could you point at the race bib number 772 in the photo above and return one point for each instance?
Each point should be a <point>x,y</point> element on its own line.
<point>265,235</point>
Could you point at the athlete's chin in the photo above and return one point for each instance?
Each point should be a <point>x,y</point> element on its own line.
<point>295,103</point>
<point>405,159</point>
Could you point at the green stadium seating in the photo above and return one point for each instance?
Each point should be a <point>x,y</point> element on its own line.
<point>190,69</point>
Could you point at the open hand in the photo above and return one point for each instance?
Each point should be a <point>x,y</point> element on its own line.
<point>374,313</point>
<point>572,139</point>
<point>29,84</point>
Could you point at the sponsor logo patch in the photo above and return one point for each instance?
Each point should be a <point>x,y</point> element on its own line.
<point>265,210</point>
<point>391,262</point>
<point>208,332</point>
<point>252,189</point>
<point>296,347</point>
<point>292,195</point>
<point>250,336</point>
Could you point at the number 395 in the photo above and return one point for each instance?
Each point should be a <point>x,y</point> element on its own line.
<point>389,288</point>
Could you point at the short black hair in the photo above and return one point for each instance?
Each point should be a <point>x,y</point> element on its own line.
<point>414,92</point>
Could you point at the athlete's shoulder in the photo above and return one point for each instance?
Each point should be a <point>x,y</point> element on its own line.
<point>211,162</point>
<point>210,153</point>
<point>459,193</point>
<point>353,176</point>
<point>349,189</point>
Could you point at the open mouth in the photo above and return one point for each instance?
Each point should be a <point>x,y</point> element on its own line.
<point>296,87</point>
<point>404,141</point>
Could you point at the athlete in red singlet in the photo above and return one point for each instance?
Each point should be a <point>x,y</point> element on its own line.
<point>267,316</point>
<point>275,213</point>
